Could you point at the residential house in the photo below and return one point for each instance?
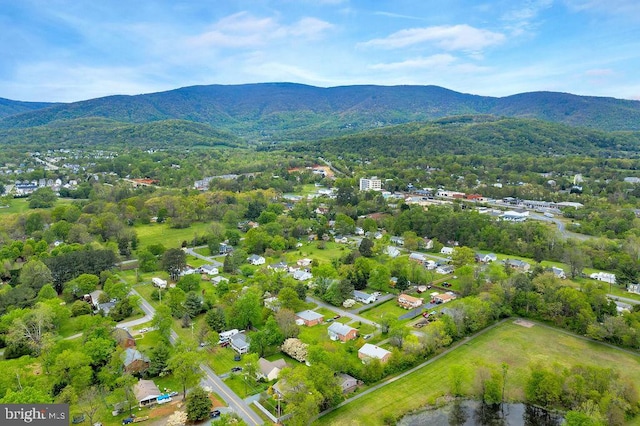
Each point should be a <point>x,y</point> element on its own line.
<point>159,282</point>
<point>363,297</point>
<point>399,241</point>
<point>427,243</point>
<point>518,265</point>
<point>309,318</point>
<point>106,307</point>
<point>392,251</point>
<point>123,338</point>
<point>272,303</point>
<point>279,267</point>
<point>348,383</point>
<point>134,361</point>
<point>255,259</point>
<point>304,262</point>
<point>369,351</point>
<point>445,269</point>
<point>486,258</point>
<point>444,298</point>
<point>417,257</point>
<point>208,269</point>
<point>448,251</point>
<point>146,392</point>
<point>558,272</point>
<point>240,343</point>
<point>341,239</point>
<point>218,279</point>
<point>604,276</point>
<point>94,297</point>
<point>302,275</point>
<point>409,302</point>
<point>225,248</point>
<point>430,265</point>
<point>342,332</point>
<point>270,370</point>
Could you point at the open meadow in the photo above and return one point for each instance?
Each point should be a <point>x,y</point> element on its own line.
<point>518,346</point>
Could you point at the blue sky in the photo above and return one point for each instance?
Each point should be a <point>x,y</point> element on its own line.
<point>60,50</point>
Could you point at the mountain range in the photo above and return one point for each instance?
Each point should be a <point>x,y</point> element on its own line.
<point>273,112</point>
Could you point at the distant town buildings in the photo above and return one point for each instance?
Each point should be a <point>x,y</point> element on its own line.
<point>372,183</point>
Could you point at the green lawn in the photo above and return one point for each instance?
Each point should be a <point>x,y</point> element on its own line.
<point>221,359</point>
<point>314,335</point>
<point>311,251</point>
<point>21,205</point>
<point>518,346</point>
<point>161,233</point>
<point>389,307</point>
<point>244,387</point>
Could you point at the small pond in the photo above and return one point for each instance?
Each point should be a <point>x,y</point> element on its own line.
<point>471,413</point>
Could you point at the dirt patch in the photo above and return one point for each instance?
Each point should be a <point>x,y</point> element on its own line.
<point>165,410</point>
<point>524,323</point>
<point>216,402</point>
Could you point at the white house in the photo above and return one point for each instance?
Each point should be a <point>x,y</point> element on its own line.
<point>392,251</point>
<point>369,351</point>
<point>446,250</point>
<point>363,297</point>
<point>558,272</point>
<point>445,269</point>
<point>270,370</point>
<point>604,276</point>
<point>208,269</point>
<point>302,275</point>
<point>218,279</point>
<point>486,258</point>
<point>417,257</point>
<point>159,282</point>
<point>240,343</point>
<point>255,259</point>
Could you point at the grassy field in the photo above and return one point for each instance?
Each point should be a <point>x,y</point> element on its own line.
<point>161,233</point>
<point>389,307</point>
<point>518,346</point>
<point>21,205</point>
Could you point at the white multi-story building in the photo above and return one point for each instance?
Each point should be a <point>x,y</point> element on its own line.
<point>372,183</point>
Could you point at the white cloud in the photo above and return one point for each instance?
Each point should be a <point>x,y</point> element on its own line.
<point>604,72</point>
<point>523,19</point>
<point>630,8</point>
<point>242,30</point>
<point>447,37</point>
<point>434,61</point>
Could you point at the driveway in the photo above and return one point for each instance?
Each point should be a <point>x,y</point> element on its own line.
<point>210,259</point>
<point>342,312</point>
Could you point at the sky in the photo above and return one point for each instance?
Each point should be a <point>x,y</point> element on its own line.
<point>64,51</point>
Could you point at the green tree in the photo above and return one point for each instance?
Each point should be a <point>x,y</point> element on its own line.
<point>162,321</point>
<point>46,293</point>
<point>198,405</point>
<point>463,256</point>
<point>289,299</point>
<point>42,198</point>
<point>185,367</point>
<point>216,319</point>
<point>189,283</point>
<point>174,261</point>
<point>193,304</point>
<point>366,247</point>
<point>147,261</point>
<point>458,376</point>
<point>246,311</point>
<point>158,359</point>
<point>35,274</point>
<point>287,323</point>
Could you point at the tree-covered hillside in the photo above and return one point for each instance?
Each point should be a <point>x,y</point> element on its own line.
<point>479,135</point>
<point>101,132</point>
<point>286,111</point>
<point>9,107</point>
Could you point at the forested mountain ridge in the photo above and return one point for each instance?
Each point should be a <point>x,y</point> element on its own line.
<point>87,132</point>
<point>9,107</point>
<point>287,111</point>
<point>487,135</point>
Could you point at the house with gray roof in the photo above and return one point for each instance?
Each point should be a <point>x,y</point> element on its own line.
<point>342,332</point>
<point>309,318</point>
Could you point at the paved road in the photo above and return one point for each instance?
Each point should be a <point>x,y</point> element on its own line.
<point>210,259</point>
<point>561,227</point>
<point>239,406</point>
<point>623,299</point>
<point>342,312</point>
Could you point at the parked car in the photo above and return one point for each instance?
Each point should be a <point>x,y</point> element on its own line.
<point>237,357</point>
<point>127,420</point>
<point>214,413</point>
<point>336,317</point>
<point>236,369</point>
<point>225,344</point>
